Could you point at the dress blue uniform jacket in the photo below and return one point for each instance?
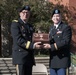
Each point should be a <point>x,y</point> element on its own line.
<point>21,34</point>
<point>60,56</point>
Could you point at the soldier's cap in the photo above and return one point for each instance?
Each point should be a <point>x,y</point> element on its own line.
<point>27,7</point>
<point>55,11</point>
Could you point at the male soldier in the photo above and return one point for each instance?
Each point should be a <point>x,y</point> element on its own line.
<point>59,46</point>
<point>23,54</point>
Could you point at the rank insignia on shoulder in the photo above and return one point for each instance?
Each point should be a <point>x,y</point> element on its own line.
<point>15,21</point>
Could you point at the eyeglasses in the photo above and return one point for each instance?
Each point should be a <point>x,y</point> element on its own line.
<point>25,12</point>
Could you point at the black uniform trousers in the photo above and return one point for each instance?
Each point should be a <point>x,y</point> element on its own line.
<point>24,69</point>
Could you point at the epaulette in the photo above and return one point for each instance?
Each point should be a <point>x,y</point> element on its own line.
<point>15,21</point>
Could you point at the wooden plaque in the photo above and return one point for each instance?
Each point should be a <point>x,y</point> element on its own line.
<point>41,37</point>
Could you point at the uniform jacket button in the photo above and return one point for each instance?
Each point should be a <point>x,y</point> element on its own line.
<point>19,50</point>
<point>58,36</point>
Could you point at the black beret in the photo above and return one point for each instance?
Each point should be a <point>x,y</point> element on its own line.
<point>25,8</point>
<point>55,11</point>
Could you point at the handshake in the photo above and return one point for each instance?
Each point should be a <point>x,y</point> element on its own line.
<point>41,41</point>
<point>39,45</point>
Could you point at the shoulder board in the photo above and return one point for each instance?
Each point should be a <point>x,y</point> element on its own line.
<point>15,21</point>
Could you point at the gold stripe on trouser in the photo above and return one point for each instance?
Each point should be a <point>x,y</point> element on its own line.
<point>67,71</point>
<point>17,69</point>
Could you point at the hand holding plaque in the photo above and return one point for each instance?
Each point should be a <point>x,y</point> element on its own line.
<point>41,37</point>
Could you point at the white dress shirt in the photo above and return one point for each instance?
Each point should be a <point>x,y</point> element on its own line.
<point>56,25</point>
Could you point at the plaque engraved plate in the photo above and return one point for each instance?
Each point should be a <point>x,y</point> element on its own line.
<point>40,37</point>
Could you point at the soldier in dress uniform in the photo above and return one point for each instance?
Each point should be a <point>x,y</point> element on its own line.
<point>60,39</point>
<point>22,51</point>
